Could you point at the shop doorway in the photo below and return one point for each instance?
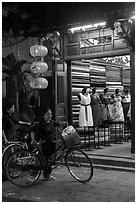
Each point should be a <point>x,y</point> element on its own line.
<point>112,72</point>
<point>109,72</point>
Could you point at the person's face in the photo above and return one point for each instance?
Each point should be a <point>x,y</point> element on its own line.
<point>11,110</point>
<point>48,116</point>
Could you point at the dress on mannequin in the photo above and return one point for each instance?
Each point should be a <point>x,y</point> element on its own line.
<point>116,107</point>
<point>96,109</point>
<point>85,112</point>
<point>105,99</point>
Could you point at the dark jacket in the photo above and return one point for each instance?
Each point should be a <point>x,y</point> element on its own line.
<point>45,131</point>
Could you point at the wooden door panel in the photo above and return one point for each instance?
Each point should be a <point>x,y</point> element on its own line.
<point>61,92</point>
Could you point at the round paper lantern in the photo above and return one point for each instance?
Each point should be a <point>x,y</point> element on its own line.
<point>39,83</point>
<point>39,67</point>
<point>38,51</point>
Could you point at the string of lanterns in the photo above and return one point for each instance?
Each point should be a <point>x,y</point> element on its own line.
<point>38,67</point>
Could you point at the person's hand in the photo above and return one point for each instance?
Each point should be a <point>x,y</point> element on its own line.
<point>64,124</point>
<point>6,142</point>
<point>27,123</point>
<point>4,138</point>
<point>33,142</point>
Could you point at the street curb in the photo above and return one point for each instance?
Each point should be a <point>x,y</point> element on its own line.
<point>114,168</point>
<point>111,161</point>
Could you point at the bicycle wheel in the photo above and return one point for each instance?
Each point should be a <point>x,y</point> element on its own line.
<point>23,168</point>
<point>79,165</point>
<point>7,152</point>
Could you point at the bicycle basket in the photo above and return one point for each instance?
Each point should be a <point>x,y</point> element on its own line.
<point>70,137</point>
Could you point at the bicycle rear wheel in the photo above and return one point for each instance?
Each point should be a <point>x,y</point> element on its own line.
<point>23,168</point>
<point>79,165</point>
<point>7,152</point>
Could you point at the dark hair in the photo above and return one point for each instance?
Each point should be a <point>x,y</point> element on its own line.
<point>94,90</point>
<point>117,91</point>
<point>40,112</point>
<point>106,90</point>
<point>46,110</point>
<point>84,90</point>
<point>126,91</point>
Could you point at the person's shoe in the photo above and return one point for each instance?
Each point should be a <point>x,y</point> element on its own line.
<point>49,178</point>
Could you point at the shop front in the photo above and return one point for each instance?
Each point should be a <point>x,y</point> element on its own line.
<point>97,57</point>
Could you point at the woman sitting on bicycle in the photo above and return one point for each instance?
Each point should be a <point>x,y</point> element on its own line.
<point>10,123</point>
<point>46,137</point>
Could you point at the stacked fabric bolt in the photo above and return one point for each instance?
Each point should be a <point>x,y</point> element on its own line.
<point>126,77</point>
<point>97,74</point>
<point>79,79</point>
<point>113,74</point>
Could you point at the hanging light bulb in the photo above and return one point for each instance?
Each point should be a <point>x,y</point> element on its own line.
<point>56,35</point>
<point>39,67</point>
<point>38,51</point>
<point>39,83</point>
<point>117,24</point>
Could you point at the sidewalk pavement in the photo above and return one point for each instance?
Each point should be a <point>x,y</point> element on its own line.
<point>114,157</point>
<point>114,150</point>
<point>105,186</point>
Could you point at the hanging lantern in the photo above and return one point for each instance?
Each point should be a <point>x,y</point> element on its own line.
<point>39,83</point>
<point>39,67</point>
<point>38,51</point>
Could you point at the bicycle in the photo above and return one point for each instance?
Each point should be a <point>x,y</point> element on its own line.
<point>13,146</point>
<point>24,167</point>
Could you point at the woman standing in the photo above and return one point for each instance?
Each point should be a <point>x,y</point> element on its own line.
<point>85,113</point>
<point>45,130</point>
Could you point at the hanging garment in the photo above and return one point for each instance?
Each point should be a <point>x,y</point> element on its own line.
<point>105,114</point>
<point>85,112</point>
<point>117,109</point>
<point>96,109</point>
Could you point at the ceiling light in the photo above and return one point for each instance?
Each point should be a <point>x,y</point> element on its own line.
<point>72,30</point>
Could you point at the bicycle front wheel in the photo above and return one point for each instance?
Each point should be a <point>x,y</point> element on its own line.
<point>23,168</point>
<point>79,165</point>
